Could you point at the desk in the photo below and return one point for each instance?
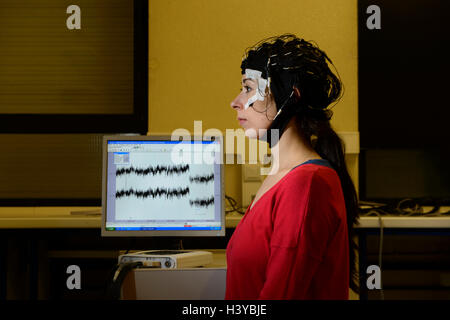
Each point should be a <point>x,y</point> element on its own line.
<point>32,219</point>
<point>36,230</point>
<point>60,218</point>
<point>394,225</point>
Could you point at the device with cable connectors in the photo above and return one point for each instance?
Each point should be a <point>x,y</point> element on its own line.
<point>168,259</point>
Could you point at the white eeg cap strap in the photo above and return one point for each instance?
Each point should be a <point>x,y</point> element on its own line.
<point>251,100</point>
<point>262,85</point>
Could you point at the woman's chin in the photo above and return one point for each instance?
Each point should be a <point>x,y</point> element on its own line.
<point>252,133</point>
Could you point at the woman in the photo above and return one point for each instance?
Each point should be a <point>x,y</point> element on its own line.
<point>295,239</point>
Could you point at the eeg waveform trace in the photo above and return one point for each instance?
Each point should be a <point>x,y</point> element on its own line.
<point>150,186</point>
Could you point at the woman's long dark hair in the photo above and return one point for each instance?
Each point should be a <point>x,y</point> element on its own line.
<point>288,62</point>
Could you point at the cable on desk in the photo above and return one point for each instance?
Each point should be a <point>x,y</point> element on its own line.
<point>234,206</point>
<point>119,273</point>
<point>407,207</point>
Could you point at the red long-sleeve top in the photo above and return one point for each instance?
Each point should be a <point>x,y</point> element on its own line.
<point>293,244</point>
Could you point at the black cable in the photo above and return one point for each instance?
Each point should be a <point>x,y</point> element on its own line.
<point>405,208</point>
<point>118,276</point>
<point>234,206</point>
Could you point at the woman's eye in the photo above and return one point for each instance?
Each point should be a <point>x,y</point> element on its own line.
<point>245,89</point>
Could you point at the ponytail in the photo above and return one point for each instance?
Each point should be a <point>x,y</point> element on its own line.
<point>329,146</point>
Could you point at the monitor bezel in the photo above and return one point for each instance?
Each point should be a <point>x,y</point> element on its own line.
<point>160,233</point>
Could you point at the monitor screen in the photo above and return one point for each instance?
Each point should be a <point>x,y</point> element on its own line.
<point>153,186</point>
<point>403,75</point>
<point>390,175</point>
<point>403,105</point>
<point>65,63</point>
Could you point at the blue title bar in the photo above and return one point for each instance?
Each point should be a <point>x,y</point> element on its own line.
<point>163,228</point>
<point>159,142</point>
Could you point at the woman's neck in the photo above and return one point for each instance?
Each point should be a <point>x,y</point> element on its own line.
<point>291,150</point>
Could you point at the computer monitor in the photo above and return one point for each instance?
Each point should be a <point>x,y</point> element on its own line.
<point>154,186</point>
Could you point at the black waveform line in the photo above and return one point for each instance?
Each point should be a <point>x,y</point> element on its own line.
<point>202,202</point>
<point>158,192</point>
<point>153,170</point>
<point>202,179</point>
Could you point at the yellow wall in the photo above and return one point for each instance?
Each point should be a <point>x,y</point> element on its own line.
<point>196,46</point>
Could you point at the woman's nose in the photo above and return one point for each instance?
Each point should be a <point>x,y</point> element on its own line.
<point>237,103</point>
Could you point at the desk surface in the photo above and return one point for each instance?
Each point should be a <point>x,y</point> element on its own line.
<point>405,222</point>
<point>61,218</point>
<point>48,218</point>
<point>388,222</point>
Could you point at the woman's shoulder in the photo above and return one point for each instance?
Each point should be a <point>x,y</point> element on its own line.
<point>311,174</point>
<point>315,189</point>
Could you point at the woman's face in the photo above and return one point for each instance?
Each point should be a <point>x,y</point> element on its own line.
<point>258,115</point>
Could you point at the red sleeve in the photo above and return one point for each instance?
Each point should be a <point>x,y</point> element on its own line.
<point>302,227</point>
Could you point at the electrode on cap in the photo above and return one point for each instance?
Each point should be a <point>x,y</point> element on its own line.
<point>261,89</point>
